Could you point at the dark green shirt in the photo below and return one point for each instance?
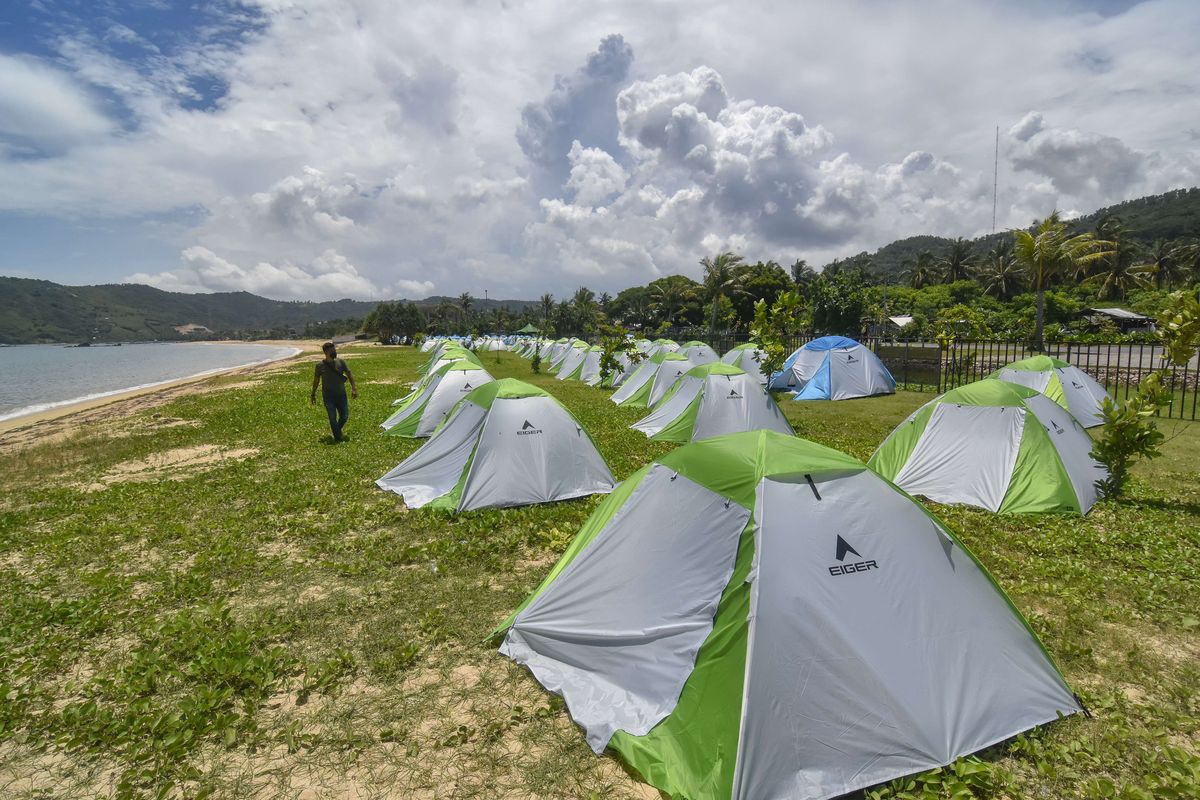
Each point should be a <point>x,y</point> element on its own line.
<point>333,377</point>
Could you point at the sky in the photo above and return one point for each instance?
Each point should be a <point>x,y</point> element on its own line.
<point>374,149</point>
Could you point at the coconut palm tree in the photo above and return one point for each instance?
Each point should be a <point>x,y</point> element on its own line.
<point>1163,265</point>
<point>1186,255</point>
<point>464,303</point>
<point>1117,272</point>
<point>1047,252</point>
<point>803,275</point>
<point>1000,274</point>
<point>667,298</point>
<point>922,271</point>
<point>957,261</point>
<point>721,278</point>
<point>583,304</point>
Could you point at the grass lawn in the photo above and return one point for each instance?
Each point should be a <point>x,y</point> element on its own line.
<point>208,598</point>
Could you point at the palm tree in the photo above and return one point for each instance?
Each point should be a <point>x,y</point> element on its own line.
<point>1046,253</point>
<point>922,271</point>
<point>1186,255</point>
<point>957,261</point>
<point>667,298</point>
<point>1163,265</point>
<point>584,306</point>
<point>1116,273</point>
<point>1000,274</point>
<point>547,302</point>
<point>721,277</point>
<point>464,303</point>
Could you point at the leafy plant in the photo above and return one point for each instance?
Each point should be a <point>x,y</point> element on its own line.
<point>617,342</point>
<point>1129,431</point>
<point>771,325</point>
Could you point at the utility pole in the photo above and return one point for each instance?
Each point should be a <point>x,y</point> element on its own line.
<point>995,177</point>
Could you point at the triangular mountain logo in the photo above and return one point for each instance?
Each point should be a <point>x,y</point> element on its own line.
<point>844,547</point>
<point>733,395</point>
<point>851,360</point>
<point>527,425</point>
<point>467,387</point>
<point>1077,385</point>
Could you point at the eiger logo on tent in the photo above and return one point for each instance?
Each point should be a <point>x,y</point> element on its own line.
<point>844,548</point>
<point>733,395</point>
<point>851,360</point>
<point>466,387</point>
<point>1077,385</point>
<point>1057,428</point>
<point>528,430</point>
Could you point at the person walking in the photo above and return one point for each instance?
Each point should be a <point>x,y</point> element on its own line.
<point>331,375</point>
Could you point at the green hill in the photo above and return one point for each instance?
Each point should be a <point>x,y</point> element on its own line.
<point>34,311</point>
<point>1163,216</point>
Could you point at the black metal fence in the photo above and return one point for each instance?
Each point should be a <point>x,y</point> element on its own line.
<point>927,366</point>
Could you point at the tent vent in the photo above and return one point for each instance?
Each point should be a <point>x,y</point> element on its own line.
<point>812,486</point>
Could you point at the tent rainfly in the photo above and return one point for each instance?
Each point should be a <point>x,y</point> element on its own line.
<point>833,368</point>
<point>573,365</point>
<point>757,616</point>
<point>1064,383</point>
<point>995,445</point>
<point>506,444</point>
<point>747,357</point>
<point>636,384</point>
<point>712,400</point>
<point>589,370</point>
<point>430,404</point>
<point>698,353</point>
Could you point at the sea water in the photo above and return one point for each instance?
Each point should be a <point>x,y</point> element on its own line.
<point>37,377</point>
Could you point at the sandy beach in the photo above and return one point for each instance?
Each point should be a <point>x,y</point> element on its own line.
<point>62,420</point>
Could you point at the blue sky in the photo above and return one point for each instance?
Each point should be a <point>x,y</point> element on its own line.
<point>313,149</point>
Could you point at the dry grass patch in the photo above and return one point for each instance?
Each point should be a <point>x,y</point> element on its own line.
<point>174,465</point>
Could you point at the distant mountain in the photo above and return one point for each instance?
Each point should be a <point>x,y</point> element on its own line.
<point>41,311</point>
<point>1163,216</point>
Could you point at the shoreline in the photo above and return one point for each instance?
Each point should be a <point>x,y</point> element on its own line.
<point>23,422</point>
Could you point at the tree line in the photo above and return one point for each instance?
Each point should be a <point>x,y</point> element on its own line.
<point>1030,285</point>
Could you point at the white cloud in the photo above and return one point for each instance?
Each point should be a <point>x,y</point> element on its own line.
<point>46,106</point>
<point>595,174</point>
<point>329,276</point>
<point>416,149</point>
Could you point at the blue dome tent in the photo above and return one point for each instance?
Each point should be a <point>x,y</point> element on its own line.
<point>833,368</point>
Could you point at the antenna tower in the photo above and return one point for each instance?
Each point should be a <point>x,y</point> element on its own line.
<point>995,177</point>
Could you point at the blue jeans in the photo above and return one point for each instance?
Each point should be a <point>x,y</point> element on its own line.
<point>338,408</point>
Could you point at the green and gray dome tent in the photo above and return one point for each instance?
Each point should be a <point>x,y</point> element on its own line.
<point>673,367</point>
<point>506,444</point>
<point>589,370</point>
<point>663,346</point>
<point>652,380</point>
<point>568,351</point>
<point>446,356</point>
<point>712,400</point>
<point>421,416</point>
<point>698,353</point>
<point>994,445</point>
<point>1062,382</point>
<point>757,616</point>
<point>638,381</point>
<point>748,356</point>
<point>572,365</point>
<point>617,376</point>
